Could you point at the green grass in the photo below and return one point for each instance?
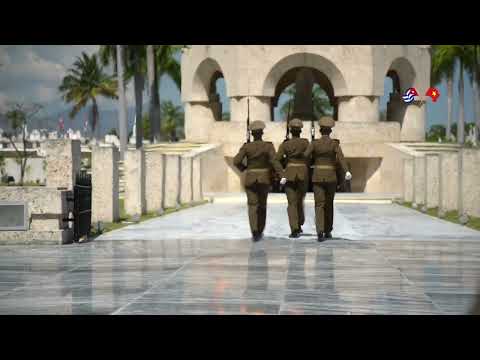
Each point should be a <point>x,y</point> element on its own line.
<point>126,220</point>
<point>452,216</point>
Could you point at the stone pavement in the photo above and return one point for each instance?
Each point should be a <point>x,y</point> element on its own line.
<point>384,259</point>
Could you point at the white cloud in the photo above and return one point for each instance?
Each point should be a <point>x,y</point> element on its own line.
<point>3,102</point>
<point>4,59</point>
<point>29,65</point>
<point>43,94</point>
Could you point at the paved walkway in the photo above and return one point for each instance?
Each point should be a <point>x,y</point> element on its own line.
<point>384,259</point>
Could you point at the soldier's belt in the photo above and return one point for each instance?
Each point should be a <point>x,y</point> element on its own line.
<point>325,167</point>
<point>258,170</point>
<point>293,164</point>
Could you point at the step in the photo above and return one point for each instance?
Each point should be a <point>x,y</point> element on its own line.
<point>276,198</point>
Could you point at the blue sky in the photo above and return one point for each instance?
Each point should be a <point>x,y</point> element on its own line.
<point>32,73</point>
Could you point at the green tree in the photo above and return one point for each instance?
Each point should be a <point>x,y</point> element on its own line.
<point>321,102</point>
<point>161,60</point>
<point>464,57</point>
<point>442,68</point>
<point>146,126</point>
<point>134,59</point>
<point>20,116</point>
<point>475,79</point>
<point>436,132</point>
<point>226,116</point>
<point>84,82</point>
<point>152,62</point>
<point>173,117</point>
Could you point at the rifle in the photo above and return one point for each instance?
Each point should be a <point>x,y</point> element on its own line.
<point>248,120</point>
<point>287,135</point>
<point>312,130</point>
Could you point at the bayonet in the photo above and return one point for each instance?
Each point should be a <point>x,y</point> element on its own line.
<point>248,119</point>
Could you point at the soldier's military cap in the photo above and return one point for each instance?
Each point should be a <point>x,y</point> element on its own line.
<point>326,121</point>
<point>257,125</point>
<point>295,124</point>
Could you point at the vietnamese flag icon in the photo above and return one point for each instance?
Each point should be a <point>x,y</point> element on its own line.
<point>433,93</point>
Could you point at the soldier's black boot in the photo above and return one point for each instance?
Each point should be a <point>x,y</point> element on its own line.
<point>256,236</point>
<point>328,235</point>
<point>295,234</point>
<point>300,231</point>
<point>320,237</point>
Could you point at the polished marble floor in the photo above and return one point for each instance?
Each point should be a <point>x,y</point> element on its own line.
<point>357,272</point>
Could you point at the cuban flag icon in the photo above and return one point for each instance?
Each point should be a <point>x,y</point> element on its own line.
<point>409,96</point>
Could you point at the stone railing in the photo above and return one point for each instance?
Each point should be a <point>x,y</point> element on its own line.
<point>158,178</point>
<point>155,178</point>
<point>448,180</point>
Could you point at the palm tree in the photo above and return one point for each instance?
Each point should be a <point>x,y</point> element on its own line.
<point>154,106</point>
<point>443,66</point>
<point>321,102</point>
<point>161,61</point>
<point>463,55</point>
<point>122,111</point>
<point>84,82</point>
<point>135,66</point>
<point>475,79</point>
<point>172,118</point>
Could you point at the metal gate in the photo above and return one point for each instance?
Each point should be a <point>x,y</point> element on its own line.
<point>82,206</point>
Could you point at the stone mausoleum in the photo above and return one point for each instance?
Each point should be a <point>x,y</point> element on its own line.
<point>353,77</point>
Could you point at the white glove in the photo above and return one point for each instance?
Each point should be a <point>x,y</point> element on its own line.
<point>283,181</point>
<point>348,176</point>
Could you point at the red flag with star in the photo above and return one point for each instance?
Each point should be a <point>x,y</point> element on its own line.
<point>433,93</point>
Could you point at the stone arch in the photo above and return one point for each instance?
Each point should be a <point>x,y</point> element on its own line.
<point>319,78</point>
<point>206,74</point>
<point>402,71</point>
<point>297,60</point>
<point>403,76</point>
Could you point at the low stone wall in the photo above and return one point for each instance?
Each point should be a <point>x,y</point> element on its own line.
<point>154,180</point>
<point>157,179</point>
<point>433,179</point>
<point>471,182</point>
<point>46,209</point>
<point>105,184</point>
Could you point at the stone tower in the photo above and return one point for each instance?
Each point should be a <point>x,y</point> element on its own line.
<point>351,76</point>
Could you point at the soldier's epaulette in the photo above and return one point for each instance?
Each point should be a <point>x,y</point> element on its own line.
<point>337,141</point>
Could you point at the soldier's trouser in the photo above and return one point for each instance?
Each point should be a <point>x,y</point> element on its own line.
<point>257,206</point>
<point>324,194</point>
<point>296,191</point>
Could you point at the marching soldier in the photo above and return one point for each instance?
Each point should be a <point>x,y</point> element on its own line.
<point>294,176</point>
<point>326,156</point>
<point>260,163</point>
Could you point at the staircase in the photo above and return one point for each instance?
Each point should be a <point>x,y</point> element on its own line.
<point>415,148</point>
<point>173,148</point>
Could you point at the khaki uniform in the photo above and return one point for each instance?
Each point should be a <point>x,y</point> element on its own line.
<point>258,179</point>
<point>327,157</point>
<point>296,173</point>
